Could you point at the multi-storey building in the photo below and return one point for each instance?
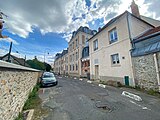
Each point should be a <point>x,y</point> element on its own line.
<point>78,41</point>
<point>110,58</point>
<point>64,62</point>
<point>57,63</point>
<point>61,63</point>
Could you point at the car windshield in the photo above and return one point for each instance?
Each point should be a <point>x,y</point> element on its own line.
<point>48,75</point>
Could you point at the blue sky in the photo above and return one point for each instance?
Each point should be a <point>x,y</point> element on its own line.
<point>40,27</point>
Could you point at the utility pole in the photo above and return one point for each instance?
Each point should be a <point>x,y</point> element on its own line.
<point>25,60</point>
<point>9,54</point>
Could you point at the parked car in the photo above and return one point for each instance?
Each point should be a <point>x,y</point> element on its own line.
<point>48,79</point>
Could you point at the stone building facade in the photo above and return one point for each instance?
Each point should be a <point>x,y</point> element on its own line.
<point>146,59</point>
<point>16,82</point>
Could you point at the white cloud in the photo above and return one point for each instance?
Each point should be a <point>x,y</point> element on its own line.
<point>57,15</point>
<point>9,40</point>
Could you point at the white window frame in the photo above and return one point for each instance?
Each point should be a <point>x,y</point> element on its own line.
<point>95,45</point>
<point>115,59</point>
<point>113,36</point>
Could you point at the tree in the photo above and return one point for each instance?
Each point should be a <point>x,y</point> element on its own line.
<point>36,64</point>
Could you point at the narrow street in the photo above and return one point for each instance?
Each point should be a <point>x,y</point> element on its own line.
<point>73,99</point>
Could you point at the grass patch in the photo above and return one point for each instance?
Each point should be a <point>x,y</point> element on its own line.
<point>154,93</point>
<point>33,99</point>
<point>34,102</point>
<point>20,117</point>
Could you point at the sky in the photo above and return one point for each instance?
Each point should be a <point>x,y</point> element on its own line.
<point>44,27</point>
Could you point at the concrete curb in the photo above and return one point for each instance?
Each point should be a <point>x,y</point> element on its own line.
<point>30,114</point>
<point>101,85</point>
<point>132,96</point>
<point>89,81</point>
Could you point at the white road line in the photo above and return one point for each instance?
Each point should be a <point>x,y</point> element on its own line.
<point>132,96</point>
<point>143,107</point>
<point>101,85</point>
<point>80,79</point>
<point>89,81</point>
<point>75,78</point>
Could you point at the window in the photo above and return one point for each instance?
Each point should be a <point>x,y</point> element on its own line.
<point>76,55</point>
<point>95,44</point>
<point>83,39</point>
<point>70,67</point>
<point>113,35</point>
<point>73,45</point>
<point>76,67</point>
<point>76,43</point>
<point>70,58</point>
<point>115,59</point>
<point>73,68</point>
<point>73,57</point>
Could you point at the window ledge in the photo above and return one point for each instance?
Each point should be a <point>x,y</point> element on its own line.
<point>115,65</point>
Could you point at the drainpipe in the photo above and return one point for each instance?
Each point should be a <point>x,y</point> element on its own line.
<point>130,37</point>
<point>157,70</point>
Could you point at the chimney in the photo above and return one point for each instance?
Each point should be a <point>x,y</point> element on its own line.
<point>135,9</point>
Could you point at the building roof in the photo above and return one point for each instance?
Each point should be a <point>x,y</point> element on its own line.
<point>146,43</point>
<point>85,30</point>
<point>115,19</point>
<point>59,55</point>
<point>148,33</point>
<point>21,61</point>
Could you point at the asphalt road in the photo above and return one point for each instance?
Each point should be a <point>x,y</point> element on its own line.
<point>73,99</point>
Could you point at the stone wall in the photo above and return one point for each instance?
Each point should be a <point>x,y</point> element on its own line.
<point>145,71</point>
<point>15,86</point>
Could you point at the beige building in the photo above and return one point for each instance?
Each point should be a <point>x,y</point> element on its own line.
<point>109,49</point>
<point>76,44</point>
<point>61,63</point>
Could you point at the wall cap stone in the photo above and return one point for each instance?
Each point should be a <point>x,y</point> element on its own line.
<point>8,65</point>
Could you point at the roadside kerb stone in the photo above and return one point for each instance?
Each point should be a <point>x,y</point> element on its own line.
<point>132,96</point>
<point>30,114</point>
<point>89,81</point>
<point>101,85</point>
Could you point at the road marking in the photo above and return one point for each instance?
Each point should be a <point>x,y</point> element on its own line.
<point>132,96</point>
<point>101,85</point>
<point>80,79</point>
<point>143,107</point>
<point>89,81</point>
<point>75,78</point>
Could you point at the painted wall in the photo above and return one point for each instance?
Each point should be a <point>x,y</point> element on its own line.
<point>107,71</point>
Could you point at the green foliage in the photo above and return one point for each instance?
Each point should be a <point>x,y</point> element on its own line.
<point>48,67</point>
<point>33,99</point>
<point>36,64</point>
<point>20,117</point>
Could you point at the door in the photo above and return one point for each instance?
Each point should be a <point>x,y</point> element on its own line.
<point>126,78</point>
<point>96,71</point>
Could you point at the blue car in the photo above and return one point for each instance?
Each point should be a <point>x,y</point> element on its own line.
<point>48,79</point>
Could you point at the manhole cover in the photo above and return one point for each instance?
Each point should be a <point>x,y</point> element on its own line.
<point>103,106</point>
